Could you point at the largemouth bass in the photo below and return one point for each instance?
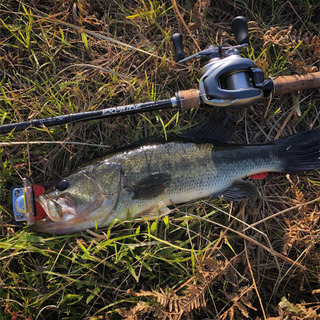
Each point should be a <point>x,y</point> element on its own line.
<point>145,180</point>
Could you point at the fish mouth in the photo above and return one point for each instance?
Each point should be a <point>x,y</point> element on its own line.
<point>52,209</point>
<point>62,215</point>
<point>58,209</point>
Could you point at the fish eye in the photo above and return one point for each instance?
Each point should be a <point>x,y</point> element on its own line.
<point>63,185</point>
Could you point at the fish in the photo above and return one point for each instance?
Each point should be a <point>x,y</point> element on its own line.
<point>145,180</point>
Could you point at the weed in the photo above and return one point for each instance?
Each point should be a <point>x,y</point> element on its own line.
<point>208,259</point>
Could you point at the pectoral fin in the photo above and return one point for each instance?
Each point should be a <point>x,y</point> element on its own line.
<point>150,186</point>
<point>238,191</point>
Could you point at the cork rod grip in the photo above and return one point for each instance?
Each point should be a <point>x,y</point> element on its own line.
<point>287,84</point>
<point>189,99</point>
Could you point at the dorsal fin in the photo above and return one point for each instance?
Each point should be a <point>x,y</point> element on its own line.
<point>216,128</point>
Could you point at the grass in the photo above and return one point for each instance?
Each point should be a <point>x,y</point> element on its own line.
<point>209,259</point>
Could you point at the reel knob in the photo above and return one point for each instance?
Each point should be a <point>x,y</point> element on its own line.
<point>178,46</point>
<point>239,27</point>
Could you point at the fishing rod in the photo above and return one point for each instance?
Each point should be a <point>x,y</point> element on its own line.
<point>227,81</point>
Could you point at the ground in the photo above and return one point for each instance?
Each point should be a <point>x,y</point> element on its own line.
<point>210,259</point>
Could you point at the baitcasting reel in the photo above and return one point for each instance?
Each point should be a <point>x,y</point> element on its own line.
<point>228,80</point>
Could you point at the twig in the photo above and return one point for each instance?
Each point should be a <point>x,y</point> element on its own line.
<point>177,12</point>
<point>83,30</point>
<point>252,276</point>
<point>222,235</point>
<point>281,212</point>
<point>291,113</point>
<point>257,243</point>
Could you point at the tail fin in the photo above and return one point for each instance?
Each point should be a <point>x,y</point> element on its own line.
<point>300,152</point>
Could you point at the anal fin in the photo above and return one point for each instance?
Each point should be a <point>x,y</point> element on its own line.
<point>238,191</point>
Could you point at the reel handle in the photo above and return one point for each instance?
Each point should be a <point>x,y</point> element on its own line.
<point>239,27</point>
<point>288,84</point>
<point>178,46</point>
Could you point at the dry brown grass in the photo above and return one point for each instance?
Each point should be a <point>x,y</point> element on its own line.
<point>209,260</point>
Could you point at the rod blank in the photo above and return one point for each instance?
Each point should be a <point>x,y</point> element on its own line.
<point>89,115</point>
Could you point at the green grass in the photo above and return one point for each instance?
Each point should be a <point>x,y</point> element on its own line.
<point>204,260</point>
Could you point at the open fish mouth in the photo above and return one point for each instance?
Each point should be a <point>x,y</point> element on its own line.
<point>58,209</point>
<point>60,219</point>
<point>63,216</point>
<point>52,209</point>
